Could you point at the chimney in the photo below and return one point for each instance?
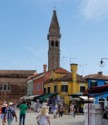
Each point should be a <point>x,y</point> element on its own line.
<point>100,73</point>
<point>74,72</point>
<point>44,67</point>
<point>35,73</point>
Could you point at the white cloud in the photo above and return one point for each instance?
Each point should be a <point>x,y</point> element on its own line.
<point>94,9</point>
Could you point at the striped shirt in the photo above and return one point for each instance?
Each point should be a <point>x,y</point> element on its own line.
<point>9,113</point>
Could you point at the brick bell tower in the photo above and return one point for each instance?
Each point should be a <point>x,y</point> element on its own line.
<point>54,43</point>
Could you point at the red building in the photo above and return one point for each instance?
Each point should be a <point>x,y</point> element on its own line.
<point>35,84</point>
<point>38,84</point>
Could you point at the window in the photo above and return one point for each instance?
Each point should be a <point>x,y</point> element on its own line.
<point>48,89</point>
<point>56,43</point>
<point>52,43</point>
<point>5,87</point>
<point>42,86</point>
<point>8,87</point>
<point>0,87</point>
<point>106,82</point>
<point>55,88</point>
<point>82,88</point>
<point>64,88</point>
<point>93,83</point>
<point>44,90</point>
<point>38,86</point>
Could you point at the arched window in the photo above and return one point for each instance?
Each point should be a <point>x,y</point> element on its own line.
<point>0,87</point>
<point>5,87</point>
<point>8,88</point>
<point>57,44</point>
<point>52,43</point>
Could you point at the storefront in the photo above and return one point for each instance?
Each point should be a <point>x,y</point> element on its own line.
<point>79,100</point>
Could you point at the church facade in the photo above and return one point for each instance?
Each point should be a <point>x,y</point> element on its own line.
<point>13,84</point>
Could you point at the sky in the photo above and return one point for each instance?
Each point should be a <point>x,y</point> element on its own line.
<point>24,25</point>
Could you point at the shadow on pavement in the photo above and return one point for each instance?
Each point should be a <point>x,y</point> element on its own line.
<point>76,123</point>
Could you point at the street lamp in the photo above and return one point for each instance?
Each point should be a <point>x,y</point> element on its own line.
<point>102,62</point>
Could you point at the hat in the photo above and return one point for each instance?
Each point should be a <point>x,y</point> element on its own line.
<point>4,105</point>
<point>56,106</point>
<point>10,103</point>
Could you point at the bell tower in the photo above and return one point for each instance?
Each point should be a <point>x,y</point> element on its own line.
<point>54,43</point>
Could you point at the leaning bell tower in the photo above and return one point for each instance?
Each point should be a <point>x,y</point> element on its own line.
<point>54,43</point>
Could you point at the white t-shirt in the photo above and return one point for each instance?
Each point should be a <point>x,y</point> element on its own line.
<point>43,120</point>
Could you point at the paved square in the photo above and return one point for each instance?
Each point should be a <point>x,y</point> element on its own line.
<point>65,120</point>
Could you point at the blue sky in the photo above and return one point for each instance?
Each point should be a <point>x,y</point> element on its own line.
<point>24,26</point>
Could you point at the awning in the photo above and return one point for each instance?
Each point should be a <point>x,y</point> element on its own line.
<point>98,89</point>
<point>74,99</point>
<point>46,96</point>
<point>76,94</point>
<point>30,97</point>
<point>23,97</point>
<point>85,98</point>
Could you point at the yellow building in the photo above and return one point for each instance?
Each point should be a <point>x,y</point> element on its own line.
<point>66,84</point>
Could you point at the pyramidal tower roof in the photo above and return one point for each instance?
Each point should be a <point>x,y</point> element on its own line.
<point>54,21</point>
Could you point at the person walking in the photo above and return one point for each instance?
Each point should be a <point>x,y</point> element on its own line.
<point>3,110</point>
<point>54,110</point>
<point>10,114</point>
<point>23,109</point>
<point>43,117</point>
<point>60,110</point>
<point>72,110</point>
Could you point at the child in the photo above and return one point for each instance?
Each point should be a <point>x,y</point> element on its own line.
<point>43,118</point>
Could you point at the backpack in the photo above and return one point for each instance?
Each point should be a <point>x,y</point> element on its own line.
<point>13,113</point>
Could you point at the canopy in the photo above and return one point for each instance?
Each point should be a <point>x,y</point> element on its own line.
<point>23,97</point>
<point>98,89</point>
<point>30,97</point>
<point>85,98</point>
<point>76,94</point>
<point>46,96</point>
<point>74,98</point>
